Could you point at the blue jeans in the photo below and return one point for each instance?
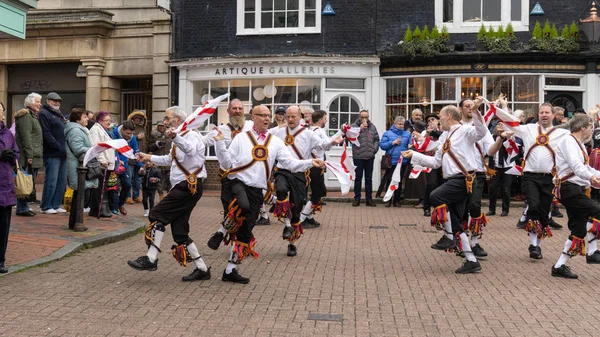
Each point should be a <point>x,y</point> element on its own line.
<point>55,183</point>
<point>125,180</point>
<point>22,204</point>
<point>363,166</point>
<point>136,181</point>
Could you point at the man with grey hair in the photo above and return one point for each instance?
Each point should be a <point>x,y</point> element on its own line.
<point>415,116</point>
<point>186,159</point>
<point>574,175</point>
<point>364,157</point>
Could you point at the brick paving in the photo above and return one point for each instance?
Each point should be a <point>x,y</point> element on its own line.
<point>383,281</point>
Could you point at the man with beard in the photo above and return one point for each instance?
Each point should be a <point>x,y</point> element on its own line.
<point>415,116</point>
<point>159,144</point>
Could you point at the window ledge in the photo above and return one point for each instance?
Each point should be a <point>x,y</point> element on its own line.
<point>473,27</point>
<point>278,31</point>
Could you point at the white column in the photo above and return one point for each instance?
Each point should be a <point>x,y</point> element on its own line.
<point>93,83</point>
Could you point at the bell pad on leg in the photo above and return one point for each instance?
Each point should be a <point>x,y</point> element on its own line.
<point>439,216</point>
<point>298,231</point>
<point>150,231</point>
<point>241,250</point>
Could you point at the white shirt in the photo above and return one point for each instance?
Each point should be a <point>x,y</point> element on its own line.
<point>462,144</point>
<point>306,141</point>
<point>98,135</point>
<point>240,153</point>
<point>226,130</point>
<point>571,159</point>
<point>190,153</point>
<point>320,132</point>
<point>540,160</point>
<point>484,144</point>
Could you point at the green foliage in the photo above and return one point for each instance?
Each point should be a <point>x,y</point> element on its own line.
<point>537,31</point>
<point>408,35</point>
<point>546,31</point>
<point>491,33</point>
<point>553,31</point>
<point>500,32</point>
<point>510,31</point>
<point>482,34</point>
<point>549,40</point>
<point>564,33</point>
<point>574,31</point>
<point>417,33</point>
<point>425,43</point>
<point>498,41</point>
<point>425,33</point>
<point>445,35</point>
<point>435,33</point>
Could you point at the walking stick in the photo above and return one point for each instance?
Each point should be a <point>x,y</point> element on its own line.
<point>102,193</point>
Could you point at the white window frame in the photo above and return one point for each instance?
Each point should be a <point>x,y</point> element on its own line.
<point>257,30</point>
<point>458,26</point>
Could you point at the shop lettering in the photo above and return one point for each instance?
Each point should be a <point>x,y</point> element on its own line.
<point>286,70</point>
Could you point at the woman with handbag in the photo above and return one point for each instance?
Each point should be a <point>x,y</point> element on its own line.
<point>78,140</point>
<point>99,133</point>
<point>393,142</point>
<point>9,154</point>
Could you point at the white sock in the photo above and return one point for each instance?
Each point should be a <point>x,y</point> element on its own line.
<point>306,211</point>
<point>592,242</point>
<point>524,215</point>
<point>466,247</point>
<point>533,240</point>
<point>288,222</point>
<point>223,230</point>
<point>230,267</point>
<point>539,242</point>
<point>550,215</point>
<point>474,239</point>
<point>448,227</point>
<point>564,257</point>
<point>230,264</point>
<point>195,254</point>
<point>152,251</point>
<point>263,213</point>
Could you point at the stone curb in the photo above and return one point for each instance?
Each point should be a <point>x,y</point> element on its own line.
<point>78,245</point>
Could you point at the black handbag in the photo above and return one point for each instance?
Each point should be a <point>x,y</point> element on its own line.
<point>95,170</point>
<point>386,161</point>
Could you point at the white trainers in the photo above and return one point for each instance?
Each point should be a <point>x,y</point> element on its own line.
<point>49,211</point>
<point>60,210</point>
<point>146,212</point>
<point>87,210</point>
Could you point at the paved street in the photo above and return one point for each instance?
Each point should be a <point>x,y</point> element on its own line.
<point>383,281</point>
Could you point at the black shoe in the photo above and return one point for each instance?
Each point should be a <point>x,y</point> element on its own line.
<point>215,240</point>
<point>272,209</point>
<point>554,225</point>
<point>504,213</point>
<point>594,258</point>
<point>469,267</point>
<point>263,221</point>
<point>323,203</point>
<point>535,252</point>
<point>397,204</point>
<point>355,203</point>
<point>444,243</point>
<point>315,223</point>
<point>370,203</point>
<point>108,215</point>
<point>143,263</point>
<point>292,250</point>
<point>310,224</point>
<point>491,213</point>
<point>26,213</point>
<point>234,277</point>
<point>3,269</point>
<point>557,214</point>
<point>563,271</point>
<point>197,275</point>
<point>427,213</point>
<point>521,224</point>
<point>389,204</point>
<point>478,251</point>
<point>287,232</point>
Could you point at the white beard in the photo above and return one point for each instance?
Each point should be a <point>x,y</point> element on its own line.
<point>237,121</point>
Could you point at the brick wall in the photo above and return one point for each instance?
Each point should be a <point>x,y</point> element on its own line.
<point>211,182</point>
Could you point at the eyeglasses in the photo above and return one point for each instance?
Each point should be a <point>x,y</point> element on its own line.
<point>263,115</point>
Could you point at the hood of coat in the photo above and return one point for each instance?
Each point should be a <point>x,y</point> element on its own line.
<point>138,113</point>
<point>22,112</point>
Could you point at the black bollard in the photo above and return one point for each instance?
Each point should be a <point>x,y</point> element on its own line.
<point>81,174</point>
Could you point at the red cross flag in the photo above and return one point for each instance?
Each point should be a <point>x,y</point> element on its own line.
<point>198,117</point>
<point>118,144</point>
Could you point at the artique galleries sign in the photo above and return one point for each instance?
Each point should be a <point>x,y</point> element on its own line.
<point>275,70</point>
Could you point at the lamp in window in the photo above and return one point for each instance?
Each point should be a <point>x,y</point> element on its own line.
<point>591,24</point>
<point>269,91</point>
<point>258,94</point>
<point>205,98</point>
<point>425,101</point>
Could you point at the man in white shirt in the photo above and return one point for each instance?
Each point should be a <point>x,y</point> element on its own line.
<point>457,157</point>
<point>187,173</point>
<point>575,176</point>
<point>248,162</point>
<point>291,186</point>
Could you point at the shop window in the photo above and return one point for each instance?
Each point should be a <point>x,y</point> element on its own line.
<point>470,87</point>
<point>342,110</point>
<point>467,16</point>
<point>345,83</point>
<point>257,17</point>
<point>563,81</point>
<point>497,85</point>
<point>445,89</point>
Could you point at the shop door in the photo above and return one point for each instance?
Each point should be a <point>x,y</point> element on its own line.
<point>566,99</point>
<point>137,100</point>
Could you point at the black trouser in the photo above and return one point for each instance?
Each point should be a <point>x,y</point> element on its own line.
<point>474,203</point>
<point>434,179</point>
<point>294,185</point>
<point>452,193</point>
<point>501,182</point>
<point>148,198</point>
<point>96,195</point>
<point>175,209</point>
<point>73,211</point>
<point>5,215</point>
<point>249,199</point>
<point>579,208</point>
<point>537,188</point>
<point>363,166</point>
<point>317,185</point>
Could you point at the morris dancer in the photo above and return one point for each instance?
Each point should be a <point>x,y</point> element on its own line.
<point>301,142</point>
<point>248,162</point>
<point>457,157</point>
<point>187,172</point>
<point>575,176</point>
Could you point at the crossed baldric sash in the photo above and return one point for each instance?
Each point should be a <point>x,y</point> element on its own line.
<point>446,149</point>
<point>558,180</point>
<point>191,178</point>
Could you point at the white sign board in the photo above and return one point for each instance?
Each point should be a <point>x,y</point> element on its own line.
<point>164,4</point>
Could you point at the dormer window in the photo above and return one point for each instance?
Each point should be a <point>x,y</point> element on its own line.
<point>263,17</point>
<point>467,16</point>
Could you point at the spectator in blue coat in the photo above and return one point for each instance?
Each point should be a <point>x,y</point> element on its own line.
<point>393,142</point>
<point>125,131</point>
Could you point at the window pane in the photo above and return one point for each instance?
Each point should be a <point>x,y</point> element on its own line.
<point>470,87</point>
<point>492,10</point>
<point>292,5</point>
<point>526,89</point>
<point>279,19</point>
<point>515,10</point>
<point>448,10</point>
<point>472,10</point>
<point>396,91</point>
<point>309,90</point>
<point>497,85</point>
<point>354,106</point>
<point>445,89</point>
<point>292,19</point>
<point>419,89</point>
<point>266,20</point>
<point>310,19</point>
<point>531,110</point>
<point>258,94</point>
<point>240,89</point>
<point>249,20</point>
<point>563,81</point>
<point>334,119</point>
<point>345,119</point>
<point>345,104</point>
<point>249,5</point>
<point>391,112</point>
<point>310,4</point>
<point>279,4</point>
<point>267,5</point>
<point>285,91</point>
<point>345,83</point>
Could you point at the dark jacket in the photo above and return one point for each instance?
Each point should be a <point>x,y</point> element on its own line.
<point>7,181</point>
<point>387,143</point>
<point>159,144</point>
<point>53,128</point>
<point>140,129</point>
<point>369,142</point>
<point>28,133</point>
<point>152,172</point>
<point>133,144</point>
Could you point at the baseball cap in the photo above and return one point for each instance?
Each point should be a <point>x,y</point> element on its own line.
<point>160,123</point>
<point>280,110</point>
<point>53,96</point>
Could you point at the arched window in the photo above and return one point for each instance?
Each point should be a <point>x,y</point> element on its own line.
<point>343,109</point>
